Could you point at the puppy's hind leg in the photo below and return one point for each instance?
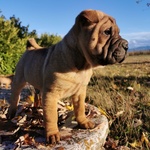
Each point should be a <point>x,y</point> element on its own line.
<point>17,85</point>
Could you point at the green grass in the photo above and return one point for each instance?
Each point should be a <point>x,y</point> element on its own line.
<point>122,91</point>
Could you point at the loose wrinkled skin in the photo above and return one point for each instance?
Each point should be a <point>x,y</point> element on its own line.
<point>64,70</point>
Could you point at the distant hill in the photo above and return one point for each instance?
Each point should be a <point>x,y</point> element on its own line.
<point>140,48</point>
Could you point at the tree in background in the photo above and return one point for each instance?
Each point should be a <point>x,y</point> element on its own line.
<point>47,40</point>
<point>13,39</point>
<point>147,3</point>
<point>11,46</point>
<point>23,30</point>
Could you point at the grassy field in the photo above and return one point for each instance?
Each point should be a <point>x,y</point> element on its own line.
<point>122,93</point>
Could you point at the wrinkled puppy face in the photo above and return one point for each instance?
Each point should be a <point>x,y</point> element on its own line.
<point>98,35</point>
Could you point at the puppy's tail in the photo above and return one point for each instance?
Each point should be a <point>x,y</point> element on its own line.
<point>32,45</point>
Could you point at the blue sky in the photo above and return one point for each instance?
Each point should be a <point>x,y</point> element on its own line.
<point>58,16</point>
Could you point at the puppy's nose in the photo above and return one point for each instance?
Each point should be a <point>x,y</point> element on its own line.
<point>125,45</point>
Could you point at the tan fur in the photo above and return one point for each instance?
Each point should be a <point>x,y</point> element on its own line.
<point>65,69</point>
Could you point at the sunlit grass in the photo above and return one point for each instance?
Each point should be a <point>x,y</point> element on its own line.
<point>123,92</point>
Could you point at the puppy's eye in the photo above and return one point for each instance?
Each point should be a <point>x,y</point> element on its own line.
<point>107,31</point>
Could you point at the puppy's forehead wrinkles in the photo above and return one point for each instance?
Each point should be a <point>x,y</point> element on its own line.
<point>100,15</point>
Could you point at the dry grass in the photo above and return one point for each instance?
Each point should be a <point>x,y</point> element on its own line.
<point>122,92</point>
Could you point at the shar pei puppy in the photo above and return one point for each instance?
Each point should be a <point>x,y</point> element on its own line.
<point>64,70</point>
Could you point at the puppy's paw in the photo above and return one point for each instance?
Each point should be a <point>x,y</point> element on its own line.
<point>87,125</point>
<point>53,138</point>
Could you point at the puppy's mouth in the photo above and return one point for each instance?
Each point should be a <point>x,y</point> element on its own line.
<point>116,53</point>
<point>119,55</point>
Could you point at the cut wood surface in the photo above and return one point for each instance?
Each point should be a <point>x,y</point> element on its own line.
<point>26,130</point>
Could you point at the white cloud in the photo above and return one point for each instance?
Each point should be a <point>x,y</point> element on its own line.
<point>138,39</point>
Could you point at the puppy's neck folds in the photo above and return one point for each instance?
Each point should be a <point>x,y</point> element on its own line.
<point>81,60</point>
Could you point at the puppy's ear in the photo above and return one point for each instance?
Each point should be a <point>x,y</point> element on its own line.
<point>88,17</point>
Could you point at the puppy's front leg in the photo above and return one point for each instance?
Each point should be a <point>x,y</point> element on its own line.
<point>49,101</point>
<point>79,110</point>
